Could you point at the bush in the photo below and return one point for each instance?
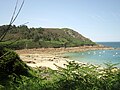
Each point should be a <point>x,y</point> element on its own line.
<point>11,64</point>
<point>74,77</point>
<point>88,77</point>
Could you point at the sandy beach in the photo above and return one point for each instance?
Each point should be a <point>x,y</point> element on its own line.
<point>49,57</point>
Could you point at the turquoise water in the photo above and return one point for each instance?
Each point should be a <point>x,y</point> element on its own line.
<point>98,57</point>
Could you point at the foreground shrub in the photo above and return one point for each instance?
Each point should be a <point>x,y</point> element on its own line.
<point>11,66</point>
<point>88,77</point>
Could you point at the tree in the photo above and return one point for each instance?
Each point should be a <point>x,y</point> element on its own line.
<point>12,20</point>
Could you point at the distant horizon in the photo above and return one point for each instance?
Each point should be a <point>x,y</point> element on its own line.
<point>106,41</point>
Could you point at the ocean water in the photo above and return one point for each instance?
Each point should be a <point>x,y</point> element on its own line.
<point>110,44</point>
<point>99,57</point>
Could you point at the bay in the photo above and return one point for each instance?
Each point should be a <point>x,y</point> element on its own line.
<point>98,57</point>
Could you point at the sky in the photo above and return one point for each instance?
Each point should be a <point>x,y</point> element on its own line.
<point>98,20</point>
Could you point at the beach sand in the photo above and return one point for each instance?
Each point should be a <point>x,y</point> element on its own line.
<point>49,57</point>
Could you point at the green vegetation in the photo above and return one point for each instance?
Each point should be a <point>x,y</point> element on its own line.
<point>24,37</point>
<point>15,75</point>
<point>11,67</point>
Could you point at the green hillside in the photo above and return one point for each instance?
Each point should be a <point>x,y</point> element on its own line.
<point>43,37</point>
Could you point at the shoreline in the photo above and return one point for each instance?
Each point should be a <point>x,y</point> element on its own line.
<point>49,57</point>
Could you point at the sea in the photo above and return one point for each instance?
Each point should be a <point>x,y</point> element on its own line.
<point>99,57</point>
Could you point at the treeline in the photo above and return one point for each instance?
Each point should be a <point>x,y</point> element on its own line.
<point>24,37</point>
